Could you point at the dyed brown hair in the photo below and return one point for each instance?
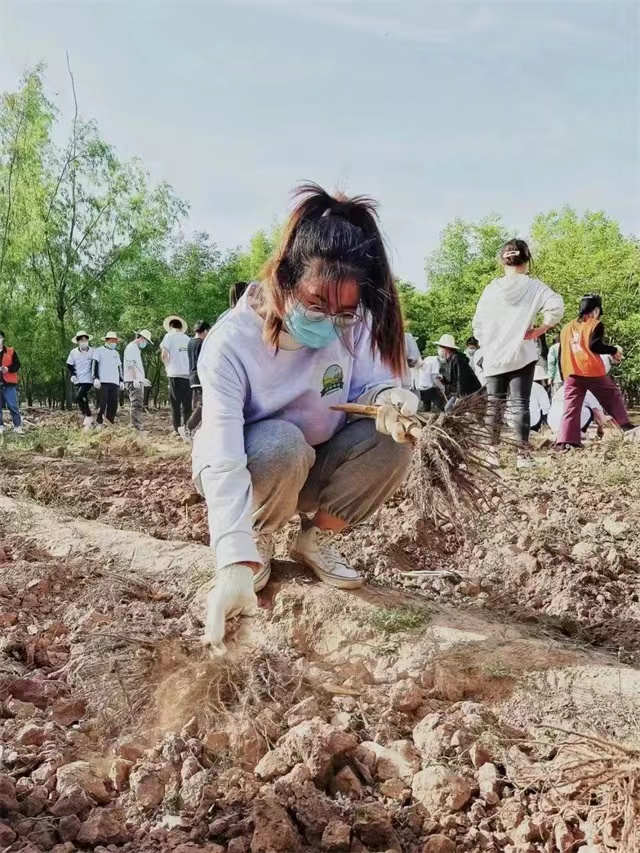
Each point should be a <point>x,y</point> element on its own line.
<point>336,239</point>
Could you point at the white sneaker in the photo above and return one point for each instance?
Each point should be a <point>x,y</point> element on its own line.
<point>523,462</point>
<point>18,430</point>
<point>87,424</point>
<point>314,549</point>
<point>632,434</point>
<point>264,544</point>
<point>493,457</point>
<point>182,432</point>
<point>99,427</point>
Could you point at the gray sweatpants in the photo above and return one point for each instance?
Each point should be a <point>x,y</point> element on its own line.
<point>136,403</point>
<point>349,476</point>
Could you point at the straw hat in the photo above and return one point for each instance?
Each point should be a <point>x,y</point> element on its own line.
<point>171,317</point>
<point>74,339</point>
<point>111,335</point>
<point>146,334</point>
<point>447,341</point>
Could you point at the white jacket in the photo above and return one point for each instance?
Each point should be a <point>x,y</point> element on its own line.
<point>506,310</point>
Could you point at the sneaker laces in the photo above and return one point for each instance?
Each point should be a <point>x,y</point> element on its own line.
<point>326,547</point>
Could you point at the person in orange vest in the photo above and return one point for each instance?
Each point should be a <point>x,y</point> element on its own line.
<point>9,367</point>
<point>582,346</point>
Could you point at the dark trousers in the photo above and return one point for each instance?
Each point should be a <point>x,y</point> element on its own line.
<point>196,418</point>
<point>9,398</point>
<point>180,399</point>
<point>108,401</point>
<point>82,398</point>
<point>432,398</point>
<point>517,386</point>
<point>606,392</point>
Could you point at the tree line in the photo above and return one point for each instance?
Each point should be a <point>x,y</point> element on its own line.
<point>89,240</point>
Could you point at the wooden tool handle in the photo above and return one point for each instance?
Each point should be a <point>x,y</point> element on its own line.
<point>412,429</point>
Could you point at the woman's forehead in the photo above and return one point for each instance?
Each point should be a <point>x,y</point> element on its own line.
<point>343,294</point>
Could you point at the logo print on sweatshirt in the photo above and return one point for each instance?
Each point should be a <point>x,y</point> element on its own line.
<point>333,380</point>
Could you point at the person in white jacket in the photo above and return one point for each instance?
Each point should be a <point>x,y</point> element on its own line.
<point>324,326</point>
<point>504,326</point>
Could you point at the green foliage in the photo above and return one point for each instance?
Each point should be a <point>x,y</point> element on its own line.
<point>87,240</point>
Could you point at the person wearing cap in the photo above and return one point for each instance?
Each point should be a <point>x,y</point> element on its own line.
<point>135,380</point>
<point>80,375</point>
<point>582,345</point>
<point>108,379</point>
<point>457,374</point>
<point>174,348</point>
<point>9,367</point>
<point>200,331</point>
<point>504,324</point>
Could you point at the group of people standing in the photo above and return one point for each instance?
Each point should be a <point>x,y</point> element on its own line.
<point>503,358</point>
<point>103,369</point>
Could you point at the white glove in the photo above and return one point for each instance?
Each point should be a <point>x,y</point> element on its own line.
<point>137,384</point>
<point>122,386</point>
<point>96,384</point>
<point>146,383</point>
<point>232,595</point>
<point>74,380</point>
<point>395,402</point>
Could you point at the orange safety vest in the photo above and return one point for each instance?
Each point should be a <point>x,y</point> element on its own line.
<point>5,361</point>
<point>576,357</point>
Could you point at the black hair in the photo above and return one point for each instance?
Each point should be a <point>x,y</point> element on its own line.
<point>514,253</point>
<point>472,342</point>
<point>235,292</point>
<point>589,303</point>
<point>175,324</point>
<point>201,326</point>
<point>337,239</point>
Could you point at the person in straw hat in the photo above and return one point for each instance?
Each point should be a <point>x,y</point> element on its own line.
<point>108,379</point>
<point>504,324</point>
<point>135,380</point>
<point>457,373</point>
<point>174,348</point>
<point>80,375</point>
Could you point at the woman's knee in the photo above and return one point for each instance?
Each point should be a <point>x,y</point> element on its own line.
<point>278,446</point>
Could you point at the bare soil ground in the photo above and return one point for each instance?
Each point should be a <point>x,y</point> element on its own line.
<point>492,707</point>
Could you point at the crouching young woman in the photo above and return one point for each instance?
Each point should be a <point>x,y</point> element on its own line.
<point>324,326</point>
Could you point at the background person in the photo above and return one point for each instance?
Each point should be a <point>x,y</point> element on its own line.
<point>582,346</point>
<point>323,327</point>
<point>539,403</point>
<point>80,375</point>
<point>553,365</point>
<point>235,292</point>
<point>135,380</point>
<point>471,348</point>
<point>106,368</point>
<point>9,367</point>
<point>429,384</point>
<point>503,323</point>
<point>457,374</point>
<point>174,348</point>
<point>591,411</point>
<point>200,331</point>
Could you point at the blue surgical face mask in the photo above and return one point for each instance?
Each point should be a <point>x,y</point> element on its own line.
<point>142,344</point>
<point>314,334</point>
<point>111,346</point>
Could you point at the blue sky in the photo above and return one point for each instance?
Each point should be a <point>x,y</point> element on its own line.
<point>437,109</point>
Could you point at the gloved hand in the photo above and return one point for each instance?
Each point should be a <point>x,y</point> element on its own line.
<point>122,386</point>
<point>137,383</point>
<point>96,384</point>
<point>146,383</point>
<point>74,380</point>
<point>393,403</point>
<point>232,595</point>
